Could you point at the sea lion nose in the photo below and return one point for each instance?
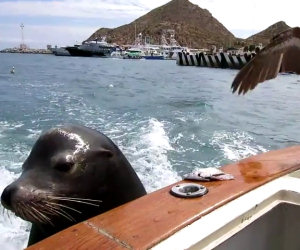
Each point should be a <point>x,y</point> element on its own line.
<point>6,196</point>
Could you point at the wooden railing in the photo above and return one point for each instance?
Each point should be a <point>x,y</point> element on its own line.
<point>144,222</point>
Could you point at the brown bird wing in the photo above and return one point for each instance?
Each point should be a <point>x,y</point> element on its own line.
<point>282,54</point>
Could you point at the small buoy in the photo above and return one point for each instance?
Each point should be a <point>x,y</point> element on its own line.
<point>111,85</point>
<point>12,71</point>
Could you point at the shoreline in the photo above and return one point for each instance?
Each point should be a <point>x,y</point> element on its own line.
<point>27,51</point>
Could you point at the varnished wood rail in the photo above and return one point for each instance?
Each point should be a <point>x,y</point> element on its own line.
<point>143,223</point>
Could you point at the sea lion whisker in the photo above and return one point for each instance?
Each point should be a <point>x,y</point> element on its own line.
<point>83,202</point>
<point>3,211</point>
<point>8,215</point>
<point>20,209</point>
<point>77,200</point>
<point>61,205</point>
<point>74,198</point>
<point>42,216</point>
<point>33,207</point>
<point>51,210</point>
<point>47,211</point>
<point>23,212</point>
<point>61,212</point>
<point>33,213</point>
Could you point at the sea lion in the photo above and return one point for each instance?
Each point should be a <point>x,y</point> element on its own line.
<point>71,174</point>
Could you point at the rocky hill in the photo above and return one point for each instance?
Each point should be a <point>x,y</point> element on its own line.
<point>265,35</point>
<point>194,27</point>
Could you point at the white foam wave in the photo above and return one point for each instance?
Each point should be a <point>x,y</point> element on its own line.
<point>236,145</point>
<point>12,157</point>
<point>5,126</point>
<point>14,235</point>
<point>13,230</point>
<point>34,133</point>
<point>156,136</point>
<point>150,160</point>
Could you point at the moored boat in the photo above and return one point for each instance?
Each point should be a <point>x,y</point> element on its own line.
<point>171,52</point>
<point>259,209</point>
<point>134,53</point>
<point>154,57</point>
<point>118,53</point>
<point>61,51</point>
<point>92,48</point>
<point>153,53</point>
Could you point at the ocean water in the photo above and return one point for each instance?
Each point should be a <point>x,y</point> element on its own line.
<point>168,120</point>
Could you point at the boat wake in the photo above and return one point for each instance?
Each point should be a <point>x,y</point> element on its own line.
<point>148,153</point>
<point>236,145</point>
<point>14,231</point>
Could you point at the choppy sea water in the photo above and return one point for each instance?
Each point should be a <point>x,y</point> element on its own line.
<point>168,120</point>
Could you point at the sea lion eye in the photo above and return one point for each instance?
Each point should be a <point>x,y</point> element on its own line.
<point>63,166</point>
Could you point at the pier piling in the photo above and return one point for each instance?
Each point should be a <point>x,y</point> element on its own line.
<point>218,60</point>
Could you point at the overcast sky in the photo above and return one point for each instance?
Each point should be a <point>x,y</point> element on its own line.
<point>65,22</point>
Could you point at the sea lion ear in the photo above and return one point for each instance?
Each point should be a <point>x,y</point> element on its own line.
<point>101,152</point>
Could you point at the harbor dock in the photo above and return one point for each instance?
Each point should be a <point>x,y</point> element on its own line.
<point>218,60</point>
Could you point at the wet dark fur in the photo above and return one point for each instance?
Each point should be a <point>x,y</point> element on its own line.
<point>66,180</point>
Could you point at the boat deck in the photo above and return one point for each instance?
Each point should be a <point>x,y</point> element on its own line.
<point>143,223</point>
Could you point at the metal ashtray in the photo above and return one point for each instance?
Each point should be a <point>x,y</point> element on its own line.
<point>188,190</point>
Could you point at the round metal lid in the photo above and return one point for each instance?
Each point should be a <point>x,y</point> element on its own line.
<point>188,190</point>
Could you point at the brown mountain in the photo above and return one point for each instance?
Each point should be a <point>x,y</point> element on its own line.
<point>194,27</point>
<point>265,35</point>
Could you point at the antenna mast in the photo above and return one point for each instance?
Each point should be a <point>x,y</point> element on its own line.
<point>134,33</point>
<point>22,45</point>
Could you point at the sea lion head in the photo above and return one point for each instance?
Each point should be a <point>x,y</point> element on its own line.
<point>71,174</point>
